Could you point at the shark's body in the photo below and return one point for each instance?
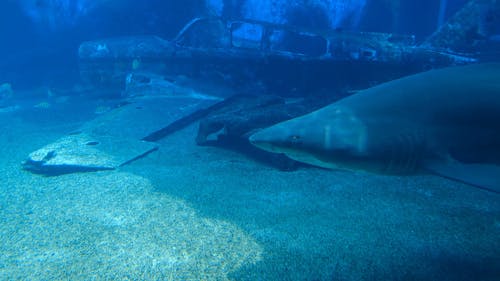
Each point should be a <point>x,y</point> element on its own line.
<point>446,121</point>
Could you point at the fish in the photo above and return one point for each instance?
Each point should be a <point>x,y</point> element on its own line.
<point>443,121</point>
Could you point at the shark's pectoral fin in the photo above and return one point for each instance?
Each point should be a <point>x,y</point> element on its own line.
<point>484,176</point>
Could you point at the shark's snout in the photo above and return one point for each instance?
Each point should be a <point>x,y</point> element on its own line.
<point>265,139</point>
<point>258,139</point>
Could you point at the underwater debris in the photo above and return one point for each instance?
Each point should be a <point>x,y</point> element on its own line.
<point>114,138</point>
<point>151,85</point>
<point>278,58</point>
<point>230,125</point>
<point>68,155</point>
<point>468,29</point>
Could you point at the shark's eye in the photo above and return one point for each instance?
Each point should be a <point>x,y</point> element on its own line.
<point>294,139</point>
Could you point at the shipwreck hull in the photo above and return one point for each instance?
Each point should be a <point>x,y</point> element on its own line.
<point>261,57</point>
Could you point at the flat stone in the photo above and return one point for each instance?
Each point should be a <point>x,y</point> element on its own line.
<point>113,139</point>
<point>84,153</point>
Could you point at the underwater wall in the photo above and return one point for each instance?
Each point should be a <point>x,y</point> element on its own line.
<point>43,46</point>
<point>55,14</point>
<point>338,13</point>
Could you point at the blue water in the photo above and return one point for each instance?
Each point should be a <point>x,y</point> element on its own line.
<point>189,212</point>
<point>47,32</point>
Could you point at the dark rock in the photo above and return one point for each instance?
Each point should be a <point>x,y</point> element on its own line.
<point>470,29</point>
<point>239,117</point>
<point>230,126</point>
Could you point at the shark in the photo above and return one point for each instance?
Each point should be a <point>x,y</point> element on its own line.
<point>444,121</point>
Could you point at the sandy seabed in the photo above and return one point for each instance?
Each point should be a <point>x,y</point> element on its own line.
<point>201,213</point>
